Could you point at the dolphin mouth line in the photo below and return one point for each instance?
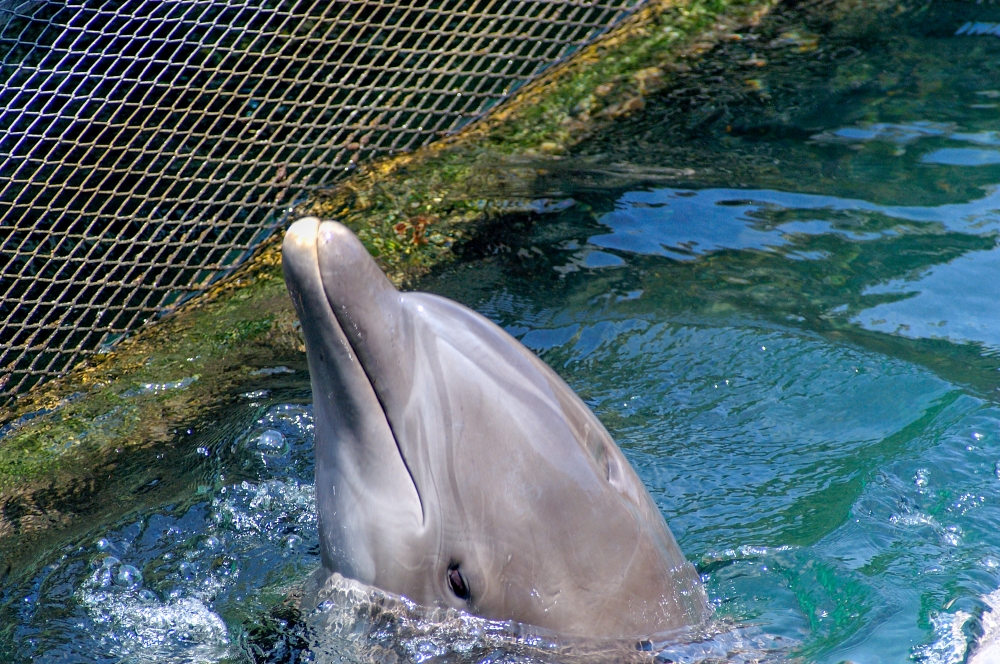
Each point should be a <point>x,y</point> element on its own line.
<point>357,357</point>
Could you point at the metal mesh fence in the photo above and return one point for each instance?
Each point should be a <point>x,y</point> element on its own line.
<point>146,147</point>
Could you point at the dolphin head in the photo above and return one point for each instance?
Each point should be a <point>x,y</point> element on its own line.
<point>457,469</point>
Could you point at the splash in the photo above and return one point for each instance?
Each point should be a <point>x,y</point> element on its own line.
<point>348,620</point>
<point>987,648</point>
<point>135,625</point>
<point>950,643</point>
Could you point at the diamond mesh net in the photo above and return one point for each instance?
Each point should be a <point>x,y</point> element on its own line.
<point>146,147</point>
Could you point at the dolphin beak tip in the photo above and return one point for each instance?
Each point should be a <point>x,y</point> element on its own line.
<point>331,255</point>
<point>310,233</point>
<point>302,233</point>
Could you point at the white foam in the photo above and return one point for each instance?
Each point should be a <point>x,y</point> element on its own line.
<point>143,629</point>
<point>133,624</point>
<point>987,648</point>
<point>950,643</point>
<point>348,620</point>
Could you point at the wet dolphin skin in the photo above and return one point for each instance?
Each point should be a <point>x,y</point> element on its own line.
<point>457,469</point>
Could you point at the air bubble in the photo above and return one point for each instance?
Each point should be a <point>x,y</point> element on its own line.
<point>128,577</point>
<point>187,571</point>
<point>271,442</point>
<point>952,536</point>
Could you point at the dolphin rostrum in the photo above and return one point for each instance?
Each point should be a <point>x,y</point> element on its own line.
<point>456,468</point>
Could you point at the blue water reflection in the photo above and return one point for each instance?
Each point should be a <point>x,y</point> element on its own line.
<point>906,133</point>
<point>962,157</point>
<point>682,224</point>
<point>957,300</point>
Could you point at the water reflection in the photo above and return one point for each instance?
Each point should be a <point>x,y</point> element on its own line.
<point>684,224</point>
<point>962,157</point>
<point>958,300</point>
<point>904,134</point>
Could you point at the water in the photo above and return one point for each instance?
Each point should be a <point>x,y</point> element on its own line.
<point>777,288</point>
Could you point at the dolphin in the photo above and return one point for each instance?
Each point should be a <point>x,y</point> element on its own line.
<point>457,469</point>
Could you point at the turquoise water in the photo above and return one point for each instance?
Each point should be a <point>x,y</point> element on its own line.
<point>778,287</point>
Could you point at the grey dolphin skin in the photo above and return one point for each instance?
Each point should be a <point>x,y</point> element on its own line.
<point>455,468</point>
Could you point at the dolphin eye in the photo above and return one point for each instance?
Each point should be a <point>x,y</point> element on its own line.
<point>457,582</point>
